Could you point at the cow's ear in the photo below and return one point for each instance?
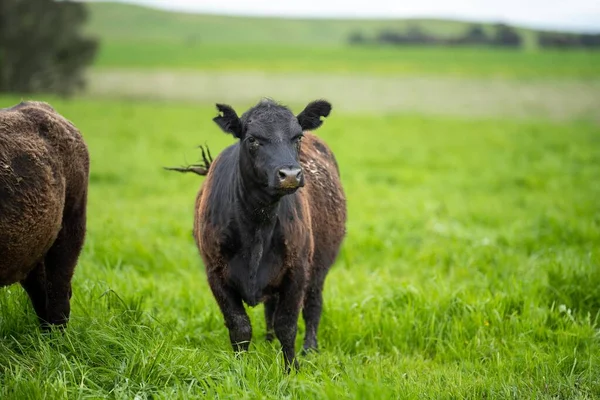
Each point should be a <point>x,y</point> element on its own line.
<point>310,117</point>
<point>229,121</point>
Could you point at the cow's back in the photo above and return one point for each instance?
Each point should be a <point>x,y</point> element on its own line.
<point>326,198</point>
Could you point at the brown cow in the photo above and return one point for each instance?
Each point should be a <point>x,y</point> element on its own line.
<point>44,167</point>
<point>270,220</point>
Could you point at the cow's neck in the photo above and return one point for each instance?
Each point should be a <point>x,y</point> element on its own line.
<point>256,208</point>
<point>257,217</point>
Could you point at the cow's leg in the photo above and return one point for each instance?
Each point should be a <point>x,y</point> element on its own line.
<point>232,308</point>
<point>270,307</point>
<point>61,259</point>
<point>35,286</point>
<point>291,295</point>
<point>313,305</point>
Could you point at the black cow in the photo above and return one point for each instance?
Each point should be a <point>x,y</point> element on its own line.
<point>270,219</point>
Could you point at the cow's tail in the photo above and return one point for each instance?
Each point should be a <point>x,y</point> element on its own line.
<point>202,168</point>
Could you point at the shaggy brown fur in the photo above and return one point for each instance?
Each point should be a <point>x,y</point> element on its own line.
<point>260,241</point>
<point>44,167</point>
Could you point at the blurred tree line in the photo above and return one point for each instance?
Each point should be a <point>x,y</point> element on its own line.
<point>502,35</point>
<point>42,48</point>
<point>566,40</point>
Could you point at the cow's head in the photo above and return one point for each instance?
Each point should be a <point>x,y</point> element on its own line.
<point>270,138</point>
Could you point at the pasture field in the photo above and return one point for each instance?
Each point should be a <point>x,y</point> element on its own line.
<point>471,268</point>
<point>386,61</point>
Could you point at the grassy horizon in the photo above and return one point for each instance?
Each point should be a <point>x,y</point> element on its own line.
<point>137,37</point>
<point>372,60</point>
<point>470,268</point>
<point>119,21</point>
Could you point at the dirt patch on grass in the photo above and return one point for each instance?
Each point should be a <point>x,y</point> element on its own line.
<point>557,100</point>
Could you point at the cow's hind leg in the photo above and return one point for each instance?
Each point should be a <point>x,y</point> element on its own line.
<point>61,260</point>
<point>311,312</point>
<point>270,308</point>
<point>35,286</point>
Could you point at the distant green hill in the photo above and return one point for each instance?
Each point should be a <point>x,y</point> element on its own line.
<point>117,21</point>
<point>138,37</point>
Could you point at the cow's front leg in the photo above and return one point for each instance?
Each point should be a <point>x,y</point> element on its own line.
<point>232,307</point>
<point>291,295</point>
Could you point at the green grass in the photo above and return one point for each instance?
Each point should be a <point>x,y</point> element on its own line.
<point>421,61</point>
<point>471,268</point>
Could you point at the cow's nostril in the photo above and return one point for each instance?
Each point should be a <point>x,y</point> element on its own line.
<point>282,174</point>
<point>299,174</point>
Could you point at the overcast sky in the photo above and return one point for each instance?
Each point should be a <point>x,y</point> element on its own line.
<point>560,14</point>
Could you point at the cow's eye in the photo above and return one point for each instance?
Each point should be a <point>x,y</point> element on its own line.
<point>252,140</point>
